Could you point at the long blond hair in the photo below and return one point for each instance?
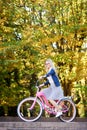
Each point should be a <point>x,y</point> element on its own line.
<point>52,64</point>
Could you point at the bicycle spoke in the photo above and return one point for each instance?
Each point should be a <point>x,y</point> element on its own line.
<point>68,110</point>
<point>27,114</point>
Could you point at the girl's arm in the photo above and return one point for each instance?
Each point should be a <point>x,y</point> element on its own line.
<point>46,83</point>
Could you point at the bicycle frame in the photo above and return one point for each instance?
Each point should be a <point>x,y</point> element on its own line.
<point>44,102</point>
<point>46,105</point>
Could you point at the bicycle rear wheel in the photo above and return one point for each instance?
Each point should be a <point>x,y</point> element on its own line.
<point>68,110</point>
<point>27,114</point>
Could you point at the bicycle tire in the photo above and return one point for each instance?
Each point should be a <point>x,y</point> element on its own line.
<point>69,114</point>
<point>25,113</point>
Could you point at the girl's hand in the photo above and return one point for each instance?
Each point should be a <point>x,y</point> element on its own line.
<point>41,85</point>
<point>42,77</point>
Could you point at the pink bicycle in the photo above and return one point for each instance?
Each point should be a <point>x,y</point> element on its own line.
<point>30,109</point>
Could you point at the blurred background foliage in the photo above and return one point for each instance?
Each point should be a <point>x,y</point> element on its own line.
<point>32,31</point>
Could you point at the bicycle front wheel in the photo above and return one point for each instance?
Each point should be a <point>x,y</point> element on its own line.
<point>27,114</point>
<point>68,110</point>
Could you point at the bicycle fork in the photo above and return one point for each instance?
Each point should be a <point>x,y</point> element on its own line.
<point>33,104</point>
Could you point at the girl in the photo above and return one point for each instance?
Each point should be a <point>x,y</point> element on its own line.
<point>54,91</point>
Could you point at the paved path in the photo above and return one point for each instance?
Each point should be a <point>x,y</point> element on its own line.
<point>43,124</point>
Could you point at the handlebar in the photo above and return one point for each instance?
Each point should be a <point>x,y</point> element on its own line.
<point>37,83</point>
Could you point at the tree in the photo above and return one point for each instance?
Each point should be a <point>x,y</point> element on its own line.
<point>33,30</point>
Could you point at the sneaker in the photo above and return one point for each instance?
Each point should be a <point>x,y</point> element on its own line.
<point>46,106</point>
<point>59,114</point>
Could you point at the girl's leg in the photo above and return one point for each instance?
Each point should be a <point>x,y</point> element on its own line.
<point>57,107</point>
